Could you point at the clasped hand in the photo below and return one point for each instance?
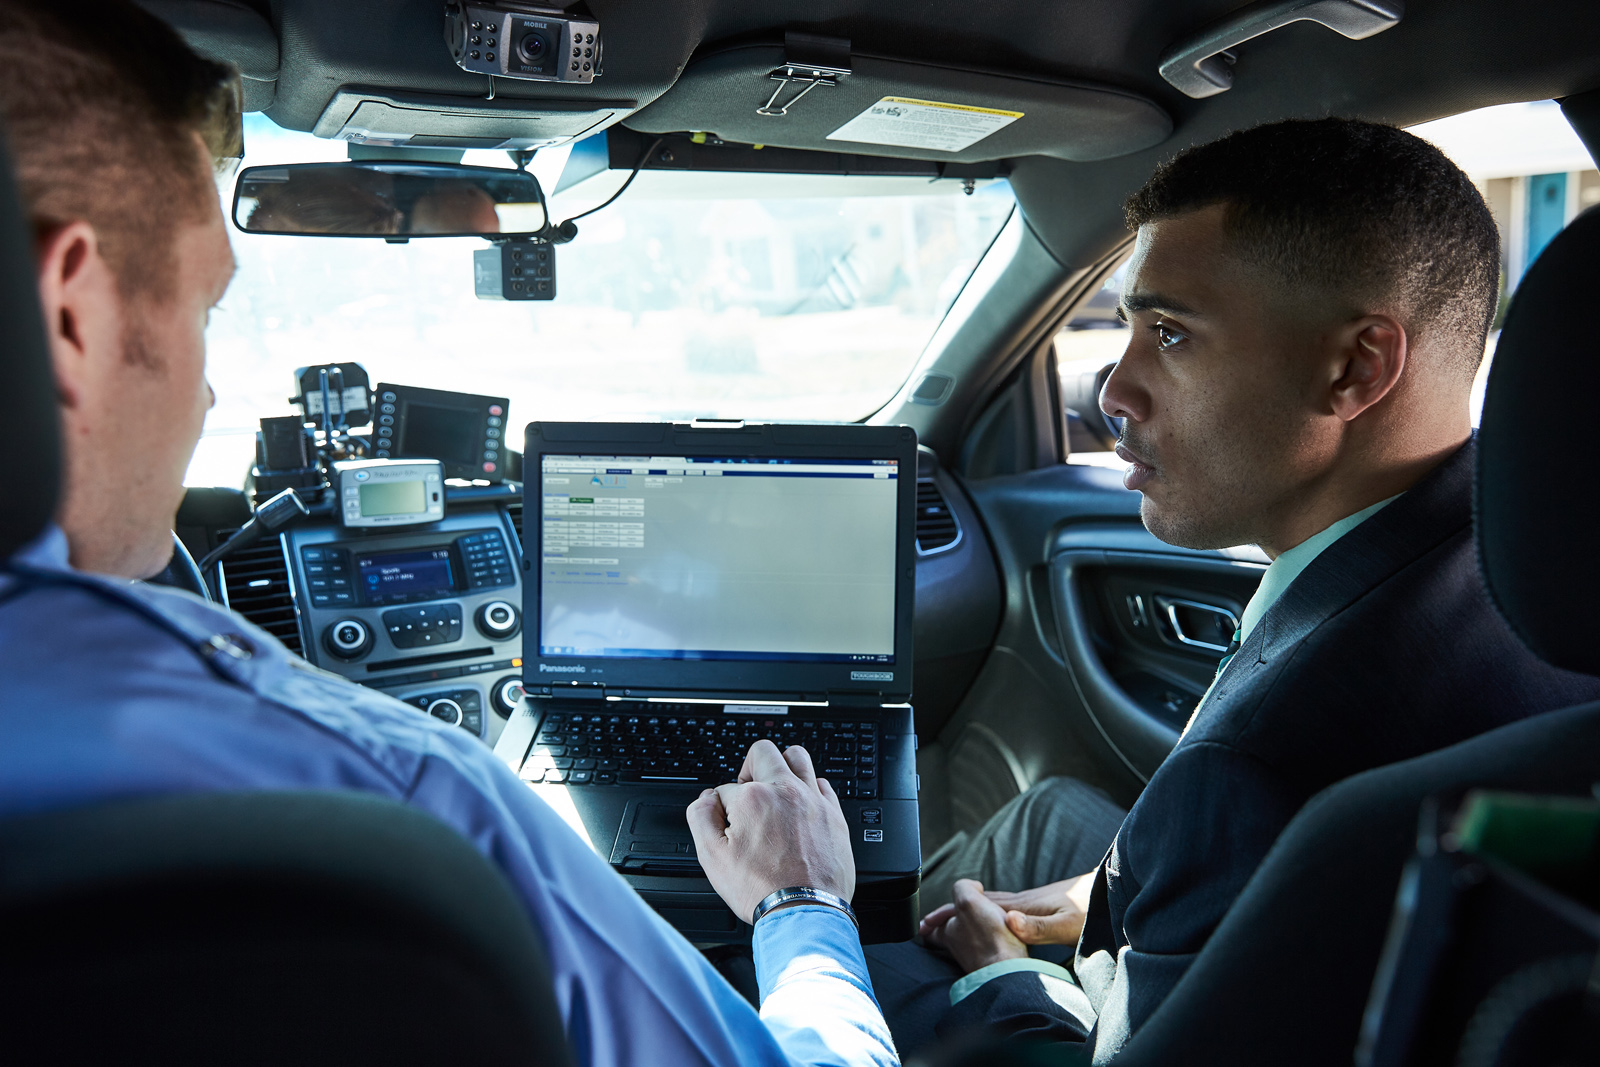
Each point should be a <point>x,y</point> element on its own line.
<point>982,927</point>
<point>778,826</point>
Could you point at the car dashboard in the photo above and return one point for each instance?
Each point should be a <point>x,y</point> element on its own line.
<point>429,610</point>
<point>447,640</point>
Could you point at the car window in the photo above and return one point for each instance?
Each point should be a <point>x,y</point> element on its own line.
<point>1533,171</point>
<point>719,296</point>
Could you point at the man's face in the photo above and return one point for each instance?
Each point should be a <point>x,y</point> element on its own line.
<point>168,395</point>
<point>141,401</point>
<point>1218,388</point>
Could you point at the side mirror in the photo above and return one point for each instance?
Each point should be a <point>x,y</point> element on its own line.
<point>387,199</point>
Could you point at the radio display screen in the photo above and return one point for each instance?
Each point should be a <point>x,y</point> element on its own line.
<point>393,498</point>
<point>401,577</point>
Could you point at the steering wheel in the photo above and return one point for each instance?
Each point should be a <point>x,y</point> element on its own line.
<point>182,573</point>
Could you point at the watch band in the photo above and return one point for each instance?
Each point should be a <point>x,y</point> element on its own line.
<point>803,894</point>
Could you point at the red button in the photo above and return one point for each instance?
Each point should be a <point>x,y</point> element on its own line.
<point>496,409</point>
<point>489,467</point>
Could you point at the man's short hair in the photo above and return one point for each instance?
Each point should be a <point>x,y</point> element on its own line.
<point>1369,212</point>
<point>101,102</point>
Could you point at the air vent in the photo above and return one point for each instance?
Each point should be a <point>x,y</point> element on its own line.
<point>515,511</point>
<point>937,529</point>
<point>256,585</point>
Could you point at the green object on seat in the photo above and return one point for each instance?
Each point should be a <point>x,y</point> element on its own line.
<point>1538,835</point>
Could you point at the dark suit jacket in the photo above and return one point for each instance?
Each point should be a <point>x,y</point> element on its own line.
<point>1384,648</point>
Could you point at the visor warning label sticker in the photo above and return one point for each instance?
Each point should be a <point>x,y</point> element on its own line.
<point>907,123</point>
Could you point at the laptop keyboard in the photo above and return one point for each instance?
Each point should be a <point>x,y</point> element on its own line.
<point>680,743</point>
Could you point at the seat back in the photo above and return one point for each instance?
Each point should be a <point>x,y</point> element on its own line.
<point>1286,976</point>
<point>30,438</point>
<point>264,928</point>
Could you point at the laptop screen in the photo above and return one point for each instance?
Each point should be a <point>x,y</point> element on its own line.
<point>706,558</point>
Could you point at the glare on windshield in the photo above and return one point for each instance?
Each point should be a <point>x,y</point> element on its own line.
<point>744,297</point>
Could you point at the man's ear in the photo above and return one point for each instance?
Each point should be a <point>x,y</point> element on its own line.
<point>81,306</point>
<point>1372,353</point>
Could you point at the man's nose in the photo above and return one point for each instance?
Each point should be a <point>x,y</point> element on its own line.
<point>211,395</point>
<point>1122,397</point>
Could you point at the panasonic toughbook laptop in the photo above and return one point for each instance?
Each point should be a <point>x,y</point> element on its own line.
<point>691,589</point>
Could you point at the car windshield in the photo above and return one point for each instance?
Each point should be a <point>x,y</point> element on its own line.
<point>693,295</point>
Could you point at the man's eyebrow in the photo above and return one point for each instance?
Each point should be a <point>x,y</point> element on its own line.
<point>1137,302</point>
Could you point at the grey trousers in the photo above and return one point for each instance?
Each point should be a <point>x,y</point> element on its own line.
<point>1059,829</point>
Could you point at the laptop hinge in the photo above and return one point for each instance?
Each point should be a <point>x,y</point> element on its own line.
<point>854,698</point>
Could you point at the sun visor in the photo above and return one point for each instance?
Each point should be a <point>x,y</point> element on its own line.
<point>387,118</point>
<point>875,105</point>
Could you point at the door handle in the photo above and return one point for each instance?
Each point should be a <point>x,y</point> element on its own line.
<point>1201,65</point>
<point>1175,608</point>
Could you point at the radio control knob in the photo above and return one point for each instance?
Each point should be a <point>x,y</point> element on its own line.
<point>498,620</point>
<point>507,695</point>
<point>446,711</point>
<point>348,639</point>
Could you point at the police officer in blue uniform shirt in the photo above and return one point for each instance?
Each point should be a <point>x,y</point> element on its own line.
<point>111,689</point>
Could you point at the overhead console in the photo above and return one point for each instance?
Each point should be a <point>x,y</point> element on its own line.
<point>816,93</point>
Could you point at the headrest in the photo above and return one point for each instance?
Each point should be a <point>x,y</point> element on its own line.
<point>30,436</point>
<point>1537,503</point>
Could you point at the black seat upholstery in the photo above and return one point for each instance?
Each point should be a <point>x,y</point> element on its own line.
<point>263,929</point>
<point>1286,976</point>
<point>29,440</point>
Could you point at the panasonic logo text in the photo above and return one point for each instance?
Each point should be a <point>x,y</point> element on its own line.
<point>573,668</point>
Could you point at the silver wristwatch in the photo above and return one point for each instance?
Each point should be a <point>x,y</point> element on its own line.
<point>803,894</point>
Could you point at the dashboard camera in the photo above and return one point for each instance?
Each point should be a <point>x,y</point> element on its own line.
<point>515,270</point>
<point>521,41</point>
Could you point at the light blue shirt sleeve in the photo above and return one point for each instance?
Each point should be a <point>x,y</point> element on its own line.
<point>968,984</point>
<point>816,997</point>
<point>169,719</point>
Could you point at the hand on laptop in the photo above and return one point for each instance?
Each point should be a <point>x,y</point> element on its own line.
<point>983,927</point>
<point>779,825</point>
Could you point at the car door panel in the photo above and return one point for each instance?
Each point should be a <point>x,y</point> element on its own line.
<point>1124,619</point>
<point>1074,685</point>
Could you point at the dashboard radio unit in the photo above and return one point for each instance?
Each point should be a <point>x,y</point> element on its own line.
<point>382,493</point>
<point>463,431</point>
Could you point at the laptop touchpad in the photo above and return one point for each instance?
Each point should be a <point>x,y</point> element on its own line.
<point>655,836</point>
<point>661,820</point>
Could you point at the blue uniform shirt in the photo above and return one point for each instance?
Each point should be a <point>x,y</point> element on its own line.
<point>113,690</point>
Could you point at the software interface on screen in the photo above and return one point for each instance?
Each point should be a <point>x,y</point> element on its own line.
<point>718,558</point>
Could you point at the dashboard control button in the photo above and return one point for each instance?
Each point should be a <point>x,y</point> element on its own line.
<point>348,639</point>
<point>498,620</point>
<point>425,624</point>
<point>446,710</point>
<point>507,694</point>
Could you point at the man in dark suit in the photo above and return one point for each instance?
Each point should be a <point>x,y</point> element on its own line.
<point>1309,304</point>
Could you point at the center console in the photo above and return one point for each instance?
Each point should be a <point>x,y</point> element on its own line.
<point>431,615</point>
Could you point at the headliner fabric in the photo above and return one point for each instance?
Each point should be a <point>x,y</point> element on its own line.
<point>1537,511</point>
<point>230,32</point>
<point>30,437</point>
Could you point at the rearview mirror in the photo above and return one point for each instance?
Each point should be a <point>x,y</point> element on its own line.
<point>392,200</point>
